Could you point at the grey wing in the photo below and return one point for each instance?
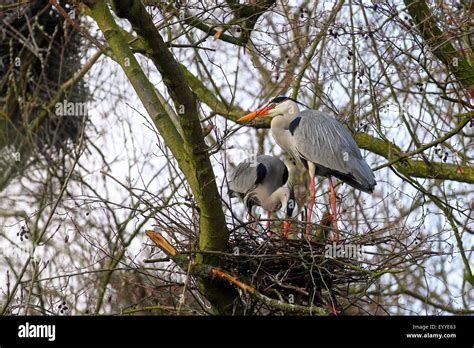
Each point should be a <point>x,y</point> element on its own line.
<point>264,170</point>
<point>321,139</point>
<point>277,172</point>
<point>243,178</point>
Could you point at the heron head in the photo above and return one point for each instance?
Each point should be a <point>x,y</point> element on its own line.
<point>276,107</point>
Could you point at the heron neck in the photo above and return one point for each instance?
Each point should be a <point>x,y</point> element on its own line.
<point>272,201</point>
<point>279,129</point>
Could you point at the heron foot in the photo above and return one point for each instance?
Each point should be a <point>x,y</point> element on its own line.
<point>286,228</point>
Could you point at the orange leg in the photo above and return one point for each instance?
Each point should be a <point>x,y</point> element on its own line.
<point>311,205</point>
<point>286,228</point>
<point>334,210</point>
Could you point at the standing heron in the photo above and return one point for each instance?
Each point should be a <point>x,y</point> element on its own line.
<point>261,182</point>
<point>322,145</point>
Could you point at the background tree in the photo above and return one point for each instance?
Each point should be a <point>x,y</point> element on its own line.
<point>398,75</point>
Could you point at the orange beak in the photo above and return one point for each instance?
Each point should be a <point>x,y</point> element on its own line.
<point>259,113</point>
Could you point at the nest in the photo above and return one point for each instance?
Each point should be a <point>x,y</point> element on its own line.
<point>38,53</point>
<point>322,274</point>
<point>275,275</point>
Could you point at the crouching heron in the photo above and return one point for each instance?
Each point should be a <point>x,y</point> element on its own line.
<point>261,182</point>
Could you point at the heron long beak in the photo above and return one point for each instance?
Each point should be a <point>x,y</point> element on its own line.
<point>258,113</point>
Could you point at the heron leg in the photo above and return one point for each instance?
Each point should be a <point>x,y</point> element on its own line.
<point>311,205</point>
<point>286,228</point>
<point>269,215</point>
<point>334,210</point>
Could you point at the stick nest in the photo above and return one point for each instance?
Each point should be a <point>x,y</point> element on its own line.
<point>296,271</point>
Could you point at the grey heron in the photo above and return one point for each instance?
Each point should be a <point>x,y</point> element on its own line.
<point>321,144</point>
<point>260,181</point>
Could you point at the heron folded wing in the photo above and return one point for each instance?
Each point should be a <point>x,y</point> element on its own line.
<point>276,172</point>
<point>243,178</point>
<point>319,138</point>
